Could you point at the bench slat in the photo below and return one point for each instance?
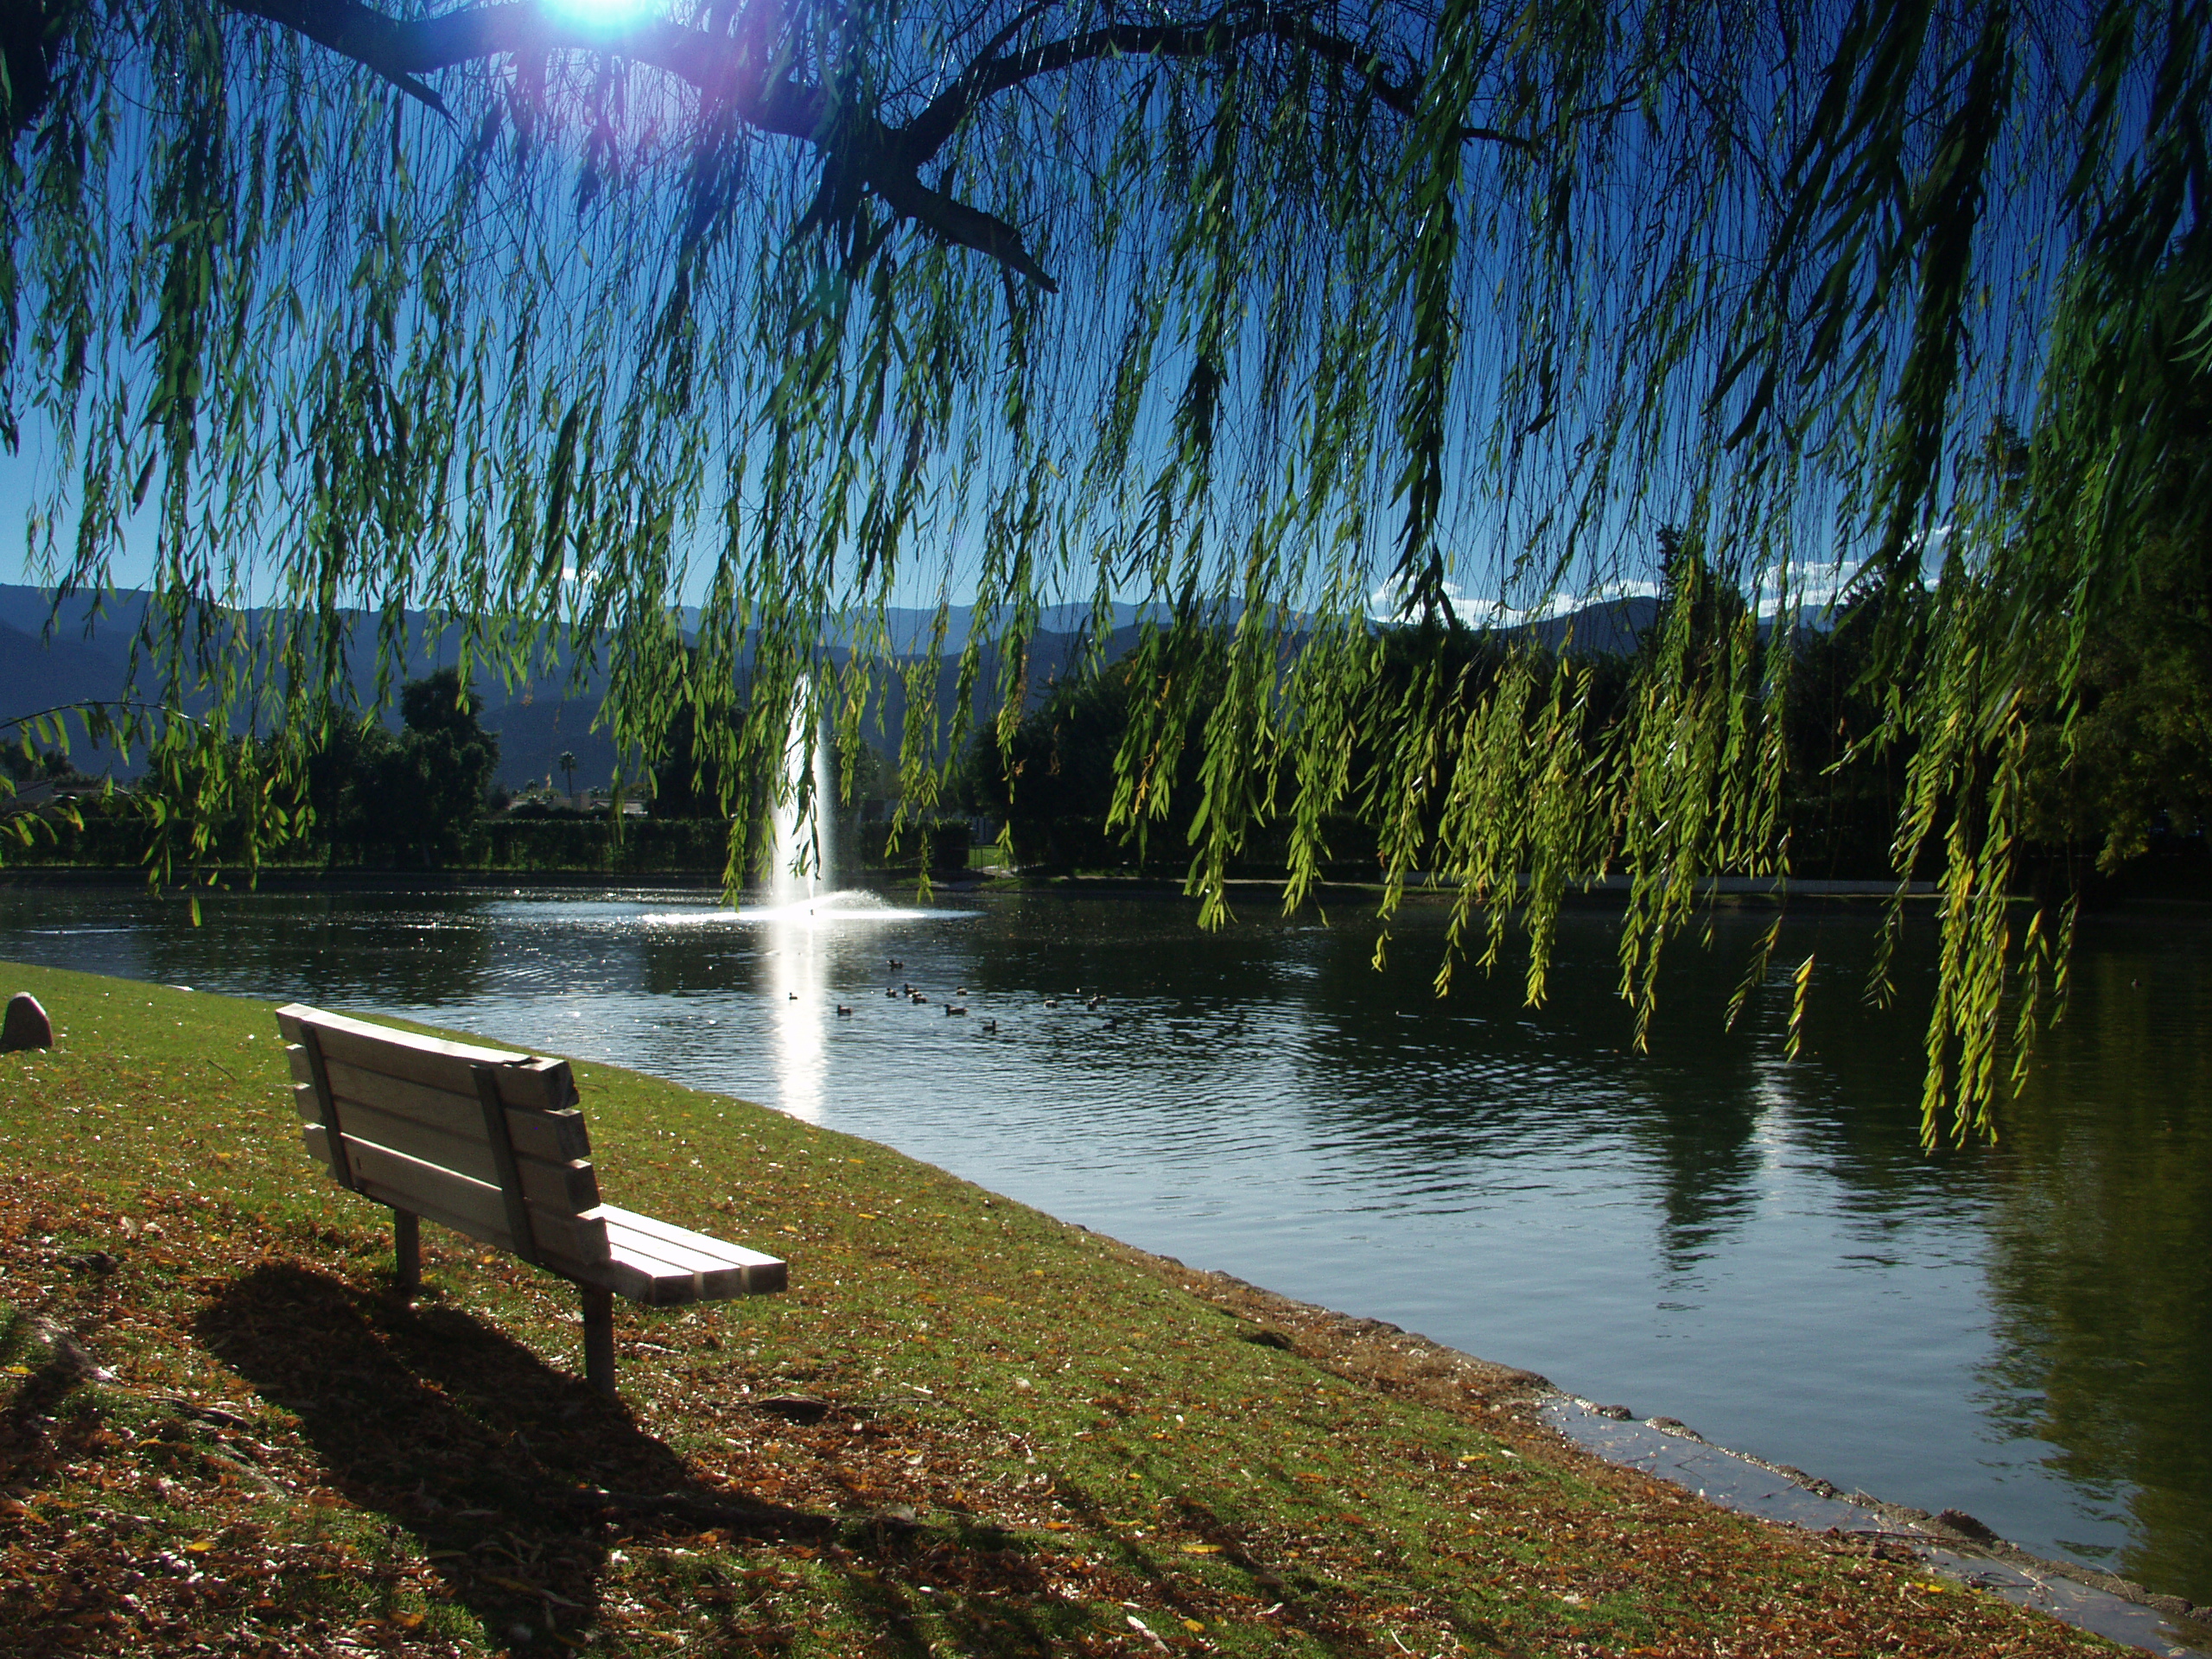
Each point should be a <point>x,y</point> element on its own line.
<point>678,1273</point>
<point>556,1136</point>
<point>452,1200</point>
<point>525,1080</point>
<point>653,1227</point>
<point>317,1138</point>
<point>553,1133</point>
<point>571,1187</point>
<point>659,1283</point>
<point>709,1273</point>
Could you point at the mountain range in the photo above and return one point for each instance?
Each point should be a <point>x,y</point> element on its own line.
<point>72,652</point>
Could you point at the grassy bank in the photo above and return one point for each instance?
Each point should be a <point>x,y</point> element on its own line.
<point>967,1430</point>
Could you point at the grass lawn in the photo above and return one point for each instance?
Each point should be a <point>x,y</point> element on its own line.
<point>967,1430</point>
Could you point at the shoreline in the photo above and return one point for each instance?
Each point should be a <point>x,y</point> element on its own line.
<point>1814,894</point>
<point>1390,1358</point>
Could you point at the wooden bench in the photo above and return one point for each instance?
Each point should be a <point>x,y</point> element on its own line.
<point>493,1145</point>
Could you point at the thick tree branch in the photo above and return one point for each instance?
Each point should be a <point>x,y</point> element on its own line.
<point>989,74</point>
<point>740,72</point>
<point>957,223</point>
<point>743,74</point>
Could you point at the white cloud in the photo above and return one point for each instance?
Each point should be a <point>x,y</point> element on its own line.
<point>1385,604</point>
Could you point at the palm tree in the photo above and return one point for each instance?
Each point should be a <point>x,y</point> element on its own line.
<point>569,769</point>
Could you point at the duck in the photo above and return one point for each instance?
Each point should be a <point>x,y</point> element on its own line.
<point>954,1007</point>
<point>791,996</point>
<point>843,1009</point>
<point>1051,1003</point>
<point>896,964</point>
<point>990,1026</point>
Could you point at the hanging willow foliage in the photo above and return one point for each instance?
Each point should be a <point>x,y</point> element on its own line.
<point>1270,316</point>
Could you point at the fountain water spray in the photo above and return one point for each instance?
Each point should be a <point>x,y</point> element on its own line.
<point>805,860</point>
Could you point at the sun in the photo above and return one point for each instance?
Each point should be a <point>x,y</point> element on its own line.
<point>599,14</point>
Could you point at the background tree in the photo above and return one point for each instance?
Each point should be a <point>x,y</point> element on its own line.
<point>1255,310</point>
<point>1052,786</point>
<point>415,795</point>
<point>431,785</point>
<point>2136,760</point>
<point>346,774</point>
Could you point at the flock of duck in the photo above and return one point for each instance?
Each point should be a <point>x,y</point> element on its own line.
<point>907,989</point>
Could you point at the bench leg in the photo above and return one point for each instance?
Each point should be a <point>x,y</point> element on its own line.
<point>599,1338</point>
<point>407,1251</point>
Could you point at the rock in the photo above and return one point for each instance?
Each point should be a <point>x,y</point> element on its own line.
<point>26,1025</point>
<point>94,1262</point>
<point>73,1360</point>
<point>1264,1338</point>
<point>1812,1483</point>
<point>1618,1414</point>
<point>1966,1526</point>
<point>794,1408</point>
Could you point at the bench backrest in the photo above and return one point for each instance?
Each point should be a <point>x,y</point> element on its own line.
<point>487,1143</point>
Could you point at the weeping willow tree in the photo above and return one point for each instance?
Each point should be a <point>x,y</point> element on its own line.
<point>1289,320</point>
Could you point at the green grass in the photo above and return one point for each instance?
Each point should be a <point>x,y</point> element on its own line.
<point>966,1429</point>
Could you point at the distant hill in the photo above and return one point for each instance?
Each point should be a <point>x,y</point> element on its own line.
<point>73,653</point>
<point>52,655</point>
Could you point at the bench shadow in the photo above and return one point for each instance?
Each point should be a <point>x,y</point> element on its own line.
<point>516,1481</point>
<point>499,1466</point>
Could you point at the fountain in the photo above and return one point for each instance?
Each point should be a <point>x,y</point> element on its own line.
<point>804,870</point>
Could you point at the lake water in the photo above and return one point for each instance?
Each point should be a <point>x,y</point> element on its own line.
<point>1756,1247</point>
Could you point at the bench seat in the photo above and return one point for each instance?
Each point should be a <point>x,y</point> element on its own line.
<point>654,1262</point>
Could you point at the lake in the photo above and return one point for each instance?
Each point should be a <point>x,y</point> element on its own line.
<point>1707,1231</point>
